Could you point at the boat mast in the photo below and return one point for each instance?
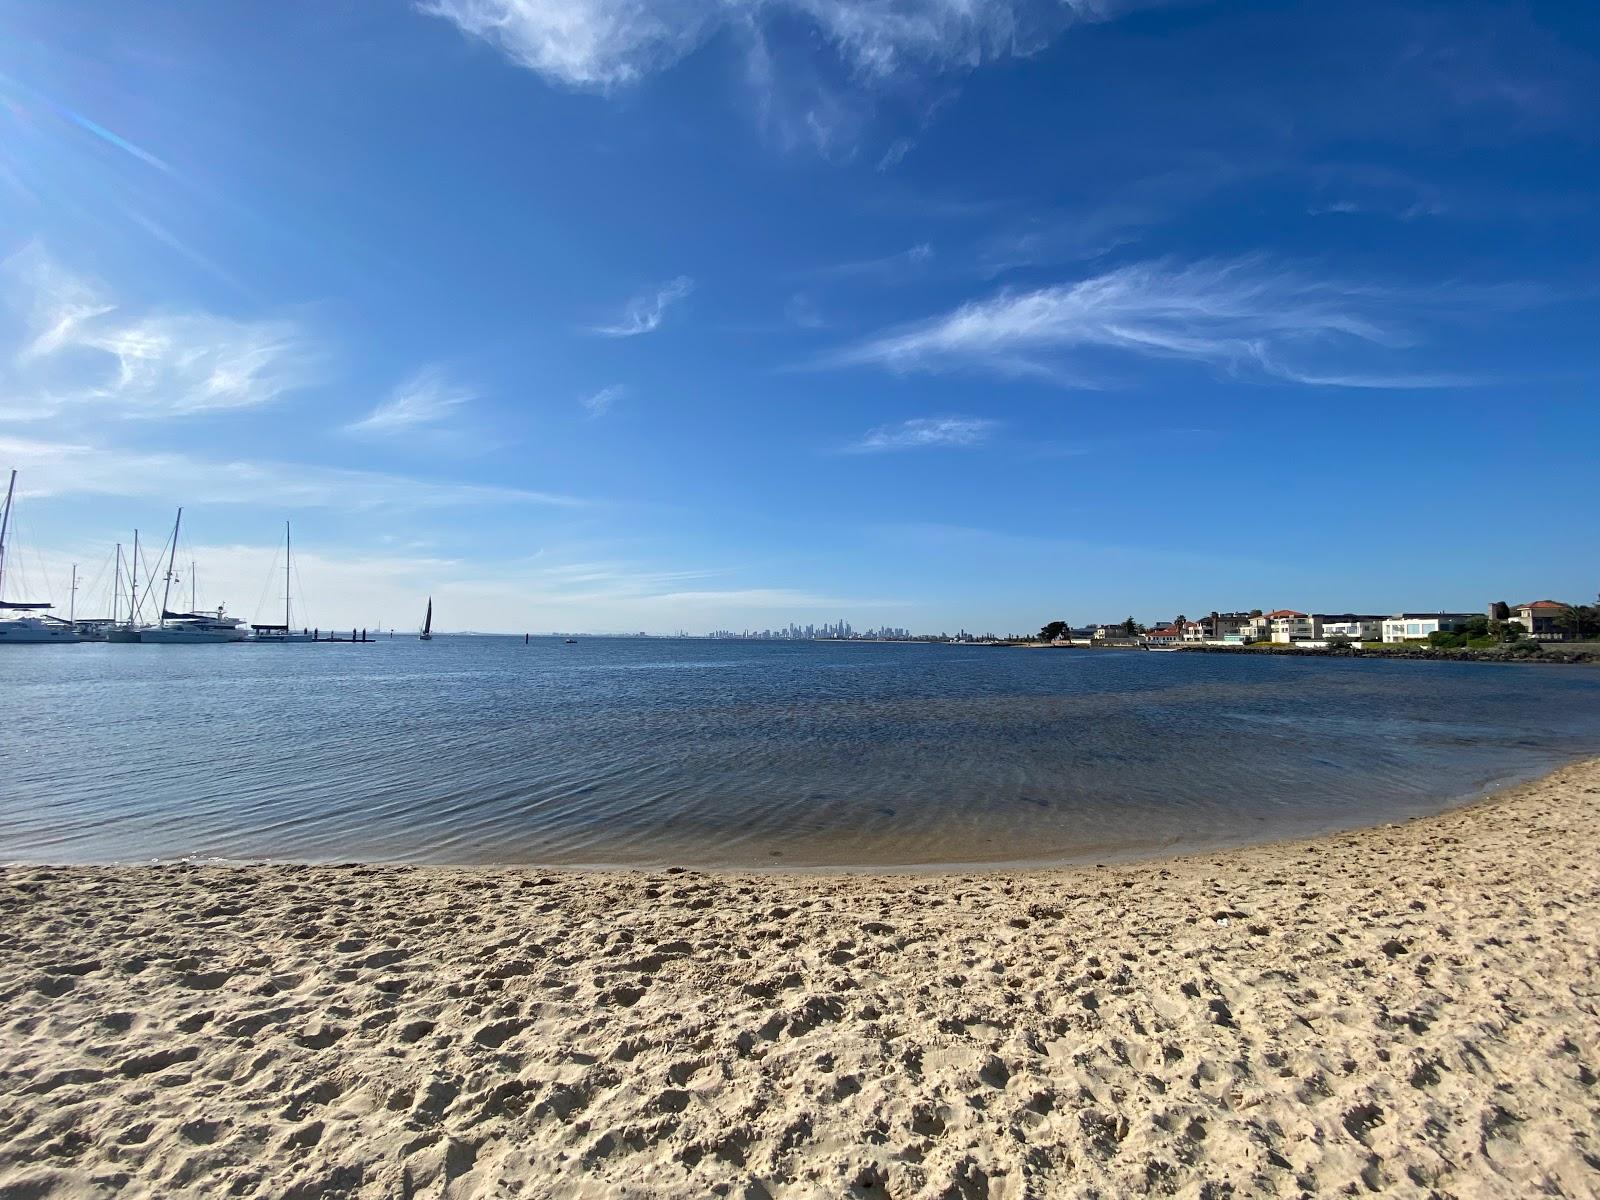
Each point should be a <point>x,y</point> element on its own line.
<point>116,587</point>
<point>5,525</point>
<point>192,605</point>
<point>72,596</point>
<point>166,592</point>
<point>135,606</point>
<point>286,579</point>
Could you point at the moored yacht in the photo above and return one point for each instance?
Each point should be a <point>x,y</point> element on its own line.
<point>194,629</point>
<point>19,625</point>
<point>190,628</point>
<point>26,622</point>
<point>285,632</point>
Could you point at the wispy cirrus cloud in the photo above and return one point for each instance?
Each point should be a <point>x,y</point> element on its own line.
<point>781,598</point>
<point>598,404</point>
<point>601,44</point>
<point>858,50</point>
<point>886,267</point>
<point>923,433</point>
<point>78,346</point>
<point>426,399</point>
<point>1240,315</point>
<point>51,468</point>
<point>646,311</point>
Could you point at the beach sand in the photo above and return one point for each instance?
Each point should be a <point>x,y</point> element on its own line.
<point>1412,1010</point>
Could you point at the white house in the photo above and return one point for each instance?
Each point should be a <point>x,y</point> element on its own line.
<point>1350,625</point>
<point>1290,626</point>
<point>1413,627</point>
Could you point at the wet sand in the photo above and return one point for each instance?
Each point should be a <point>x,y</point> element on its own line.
<point>1412,1010</point>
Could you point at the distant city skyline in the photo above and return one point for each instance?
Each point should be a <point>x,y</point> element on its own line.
<point>946,316</point>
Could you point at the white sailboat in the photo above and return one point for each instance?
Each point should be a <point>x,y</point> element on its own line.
<point>191,628</point>
<point>26,621</point>
<point>285,632</point>
<point>427,623</point>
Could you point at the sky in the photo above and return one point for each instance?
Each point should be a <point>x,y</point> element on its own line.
<point>608,315</point>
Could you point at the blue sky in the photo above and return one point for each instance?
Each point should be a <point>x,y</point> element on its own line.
<point>612,315</point>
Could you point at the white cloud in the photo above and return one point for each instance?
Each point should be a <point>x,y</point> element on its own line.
<point>925,433</point>
<point>341,590</point>
<point>427,398</point>
<point>583,43</point>
<point>80,348</point>
<point>645,312</point>
<point>65,468</point>
<point>602,44</point>
<point>885,267</point>
<point>599,403</point>
<point>1240,315</point>
<point>789,599</point>
<point>819,70</point>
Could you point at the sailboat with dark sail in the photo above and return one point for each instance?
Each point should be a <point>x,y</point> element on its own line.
<point>427,622</point>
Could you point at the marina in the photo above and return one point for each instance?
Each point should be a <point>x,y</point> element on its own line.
<point>31,622</point>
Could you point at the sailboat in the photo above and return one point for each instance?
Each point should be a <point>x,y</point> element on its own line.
<point>190,628</point>
<point>427,622</point>
<point>129,630</point>
<point>26,627</point>
<point>283,633</point>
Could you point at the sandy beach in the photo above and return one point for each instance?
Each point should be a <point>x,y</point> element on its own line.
<point>1412,1010</point>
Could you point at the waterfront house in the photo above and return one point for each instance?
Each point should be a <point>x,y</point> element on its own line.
<point>1415,627</point>
<point>1543,619</point>
<point>1216,627</point>
<point>1290,626</point>
<point>1165,635</point>
<point>1349,625</point>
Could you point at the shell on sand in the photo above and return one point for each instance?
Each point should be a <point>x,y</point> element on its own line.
<point>1409,1010</point>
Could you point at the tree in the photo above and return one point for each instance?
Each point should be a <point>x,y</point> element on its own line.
<point>1589,619</point>
<point>1130,627</point>
<point>1507,631</point>
<point>1054,630</point>
<point>1570,623</point>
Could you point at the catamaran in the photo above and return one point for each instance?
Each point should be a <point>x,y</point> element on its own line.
<point>190,628</point>
<point>31,623</point>
<point>427,622</point>
<point>284,632</point>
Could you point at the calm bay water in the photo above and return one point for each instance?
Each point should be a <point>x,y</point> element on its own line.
<point>479,750</point>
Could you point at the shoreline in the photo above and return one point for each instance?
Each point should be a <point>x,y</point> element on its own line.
<point>1412,1008</point>
<point>1122,854</point>
<point>1548,653</point>
<point>1101,856</point>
